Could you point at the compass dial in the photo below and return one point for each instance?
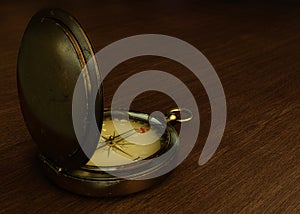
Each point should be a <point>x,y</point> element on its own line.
<point>137,141</point>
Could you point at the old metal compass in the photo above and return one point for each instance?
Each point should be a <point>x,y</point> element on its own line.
<point>137,142</point>
<point>53,52</point>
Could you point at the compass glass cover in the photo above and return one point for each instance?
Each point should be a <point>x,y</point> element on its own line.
<point>137,140</point>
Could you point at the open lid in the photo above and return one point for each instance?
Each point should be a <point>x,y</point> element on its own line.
<point>53,53</point>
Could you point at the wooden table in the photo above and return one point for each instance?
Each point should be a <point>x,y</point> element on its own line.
<point>255,49</point>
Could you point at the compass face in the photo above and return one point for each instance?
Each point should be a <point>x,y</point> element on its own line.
<point>136,141</point>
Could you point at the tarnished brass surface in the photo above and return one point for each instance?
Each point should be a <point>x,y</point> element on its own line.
<point>104,185</point>
<point>53,52</point>
<point>93,181</point>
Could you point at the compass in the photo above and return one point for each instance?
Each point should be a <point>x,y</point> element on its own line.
<point>132,147</point>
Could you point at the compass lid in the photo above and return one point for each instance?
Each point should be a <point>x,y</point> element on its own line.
<point>54,52</point>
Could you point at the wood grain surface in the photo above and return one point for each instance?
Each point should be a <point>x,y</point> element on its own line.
<point>255,49</point>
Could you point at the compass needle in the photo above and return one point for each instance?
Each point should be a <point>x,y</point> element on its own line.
<point>108,151</point>
<point>119,149</point>
<point>100,147</point>
<point>104,137</point>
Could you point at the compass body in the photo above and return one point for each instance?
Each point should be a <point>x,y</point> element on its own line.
<point>133,148</point>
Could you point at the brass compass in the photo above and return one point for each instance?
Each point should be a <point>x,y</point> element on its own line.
<point>53,52</point>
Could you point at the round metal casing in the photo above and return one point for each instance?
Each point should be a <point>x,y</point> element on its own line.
<point>103,181</point>
<point>53,53</point>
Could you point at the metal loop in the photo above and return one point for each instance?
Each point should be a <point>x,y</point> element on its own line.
<point>173,115</point>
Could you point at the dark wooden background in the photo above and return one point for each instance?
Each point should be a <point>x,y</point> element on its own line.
<point>255,49</point>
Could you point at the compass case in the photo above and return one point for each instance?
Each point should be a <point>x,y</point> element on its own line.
<point>54,52</point>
